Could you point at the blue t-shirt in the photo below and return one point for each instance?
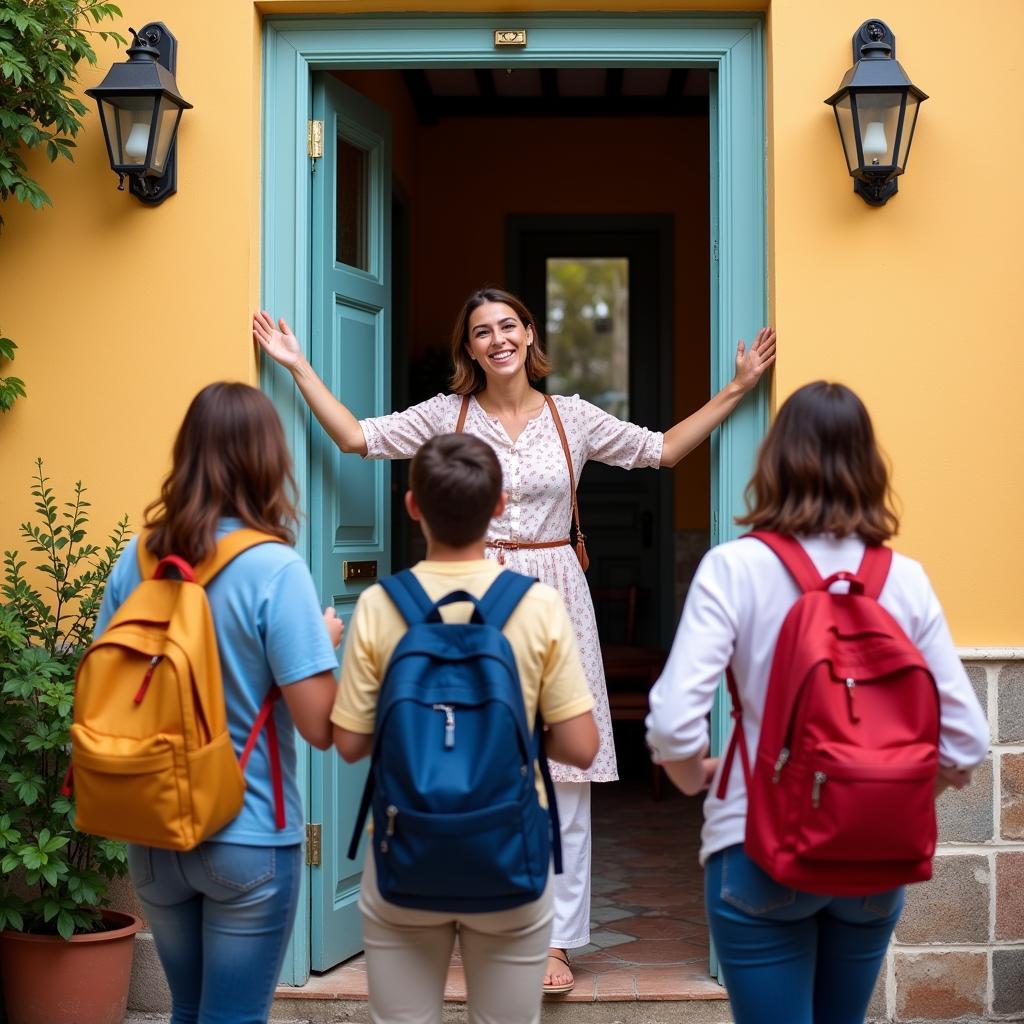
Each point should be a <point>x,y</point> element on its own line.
<point>270,629</point>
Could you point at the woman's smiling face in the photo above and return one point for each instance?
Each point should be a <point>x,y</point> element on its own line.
<point>498,341</point>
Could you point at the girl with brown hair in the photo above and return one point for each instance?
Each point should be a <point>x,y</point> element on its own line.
<point>793,957</point>
<point>543,442</point>
<point>221,913</point>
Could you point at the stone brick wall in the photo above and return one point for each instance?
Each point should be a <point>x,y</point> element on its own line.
<point>958,952</point>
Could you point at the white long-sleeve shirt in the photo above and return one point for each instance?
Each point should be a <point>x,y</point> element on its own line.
<point>734,611</point>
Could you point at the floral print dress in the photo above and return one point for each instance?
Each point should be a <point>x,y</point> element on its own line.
<point>539,508</point>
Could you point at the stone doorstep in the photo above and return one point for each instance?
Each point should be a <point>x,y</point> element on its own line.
<point>318,1011</point>
<point>347,1011</point>
<point>669,995</point>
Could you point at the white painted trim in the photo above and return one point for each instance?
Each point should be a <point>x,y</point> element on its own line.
<point>990,653</point>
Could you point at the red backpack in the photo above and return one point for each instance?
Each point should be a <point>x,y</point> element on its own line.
<point>841,799</point>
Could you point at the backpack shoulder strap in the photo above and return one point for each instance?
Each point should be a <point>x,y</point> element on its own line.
<point>229,547</point>
<point>503,597</point>
<point>737,740</point>
<point>792,555</point>
<point>874,569</point>
<point>408,596</point>
<point>463,410</point>
<point>147,561</point>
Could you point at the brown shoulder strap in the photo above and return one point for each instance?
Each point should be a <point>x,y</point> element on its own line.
<point>568,460</point>
<point>461,421</point>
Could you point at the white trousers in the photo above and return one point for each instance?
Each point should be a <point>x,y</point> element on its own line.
<point>571,927</point>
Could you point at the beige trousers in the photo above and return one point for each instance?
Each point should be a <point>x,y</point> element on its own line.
<point>504,955</point>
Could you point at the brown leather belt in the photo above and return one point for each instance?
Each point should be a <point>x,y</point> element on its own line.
<point>514,545</point>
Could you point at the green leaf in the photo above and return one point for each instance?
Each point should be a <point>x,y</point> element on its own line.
<point>65,925</point>
<point>11,918</point>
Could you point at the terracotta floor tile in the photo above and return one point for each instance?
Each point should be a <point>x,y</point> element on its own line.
<point>684,982</point>
<point>659,951</point>
<point>616,986</point>
<point>455,985</point>
<point>657,928</point>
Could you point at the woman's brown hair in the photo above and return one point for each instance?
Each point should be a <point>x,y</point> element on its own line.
<point>230,459</point>
<point>819,470</point>
<point>467,375</point>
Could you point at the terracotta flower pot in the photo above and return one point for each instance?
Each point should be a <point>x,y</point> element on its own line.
<point>50,980</point>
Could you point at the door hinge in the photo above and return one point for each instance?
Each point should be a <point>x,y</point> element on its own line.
<point>315,140</point>
<point>313,845</point>
<point>714,251</point>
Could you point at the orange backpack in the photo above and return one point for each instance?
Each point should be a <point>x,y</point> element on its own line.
<point>151,757</point>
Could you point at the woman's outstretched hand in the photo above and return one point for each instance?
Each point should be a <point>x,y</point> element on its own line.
<point>277,341</point>
<point>752,363</point>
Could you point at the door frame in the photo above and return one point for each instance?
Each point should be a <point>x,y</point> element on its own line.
<point>732,46</point>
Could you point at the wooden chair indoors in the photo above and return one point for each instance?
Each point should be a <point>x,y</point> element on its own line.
<point>630,670</point>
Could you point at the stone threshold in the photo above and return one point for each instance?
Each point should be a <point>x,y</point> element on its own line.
<point>650,984</point>
<point>673,1011</point>
<point>653,994</point>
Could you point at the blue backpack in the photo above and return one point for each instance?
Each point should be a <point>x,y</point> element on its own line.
<point>457,825</point>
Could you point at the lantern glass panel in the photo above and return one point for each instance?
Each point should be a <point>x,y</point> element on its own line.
<point>878,114</point>
<point>913,105</point>
<point>127,120</point>
<point>166,125</point>
<point>844,116</point>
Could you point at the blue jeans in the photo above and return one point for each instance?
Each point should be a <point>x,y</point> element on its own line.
<point>221,916</point>
<point>792,957</point>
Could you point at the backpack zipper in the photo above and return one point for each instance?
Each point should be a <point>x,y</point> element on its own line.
<point>850,685</point>
<point>449,724</point>
<point>780,764</point>
<point>147,678</point>
<point>392,812</point>
<point>820,778</point>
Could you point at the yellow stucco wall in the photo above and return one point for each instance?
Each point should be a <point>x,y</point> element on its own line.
<point>122,312</point>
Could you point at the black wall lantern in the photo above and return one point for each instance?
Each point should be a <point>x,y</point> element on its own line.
<point>876,109</point>
<point>140,108</point>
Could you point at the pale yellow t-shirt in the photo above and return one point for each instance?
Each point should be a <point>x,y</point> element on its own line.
<point>539,631</point>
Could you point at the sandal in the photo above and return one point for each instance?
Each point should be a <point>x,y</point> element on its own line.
<point>554,990</point>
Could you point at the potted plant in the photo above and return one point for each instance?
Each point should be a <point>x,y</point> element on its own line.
<point>53,879</point>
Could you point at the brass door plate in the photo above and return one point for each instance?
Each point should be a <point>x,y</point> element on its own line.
<point>358,571</point>
<point>510,37</point>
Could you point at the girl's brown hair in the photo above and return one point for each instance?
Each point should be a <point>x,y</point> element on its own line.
<point>819,470</point>
<point>467,375</point>
<point>230,459</point>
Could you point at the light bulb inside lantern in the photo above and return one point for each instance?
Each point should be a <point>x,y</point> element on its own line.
<point>874,144</point>
<point>137,143</point>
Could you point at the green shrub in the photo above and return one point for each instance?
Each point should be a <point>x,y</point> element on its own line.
<point>53,879</point>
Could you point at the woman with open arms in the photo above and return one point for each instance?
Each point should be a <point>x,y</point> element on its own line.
<point>497,360</point>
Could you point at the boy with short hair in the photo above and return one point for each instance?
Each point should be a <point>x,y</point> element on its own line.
<point>455,489</point>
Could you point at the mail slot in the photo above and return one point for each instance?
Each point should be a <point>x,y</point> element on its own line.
<point>358,571</point>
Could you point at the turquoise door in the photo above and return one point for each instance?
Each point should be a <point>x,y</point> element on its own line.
<point>348,497</point>
<point>349,318</point>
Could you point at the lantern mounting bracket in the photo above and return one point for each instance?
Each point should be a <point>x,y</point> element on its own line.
<point>156,36</point>
<point>873,40</point>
